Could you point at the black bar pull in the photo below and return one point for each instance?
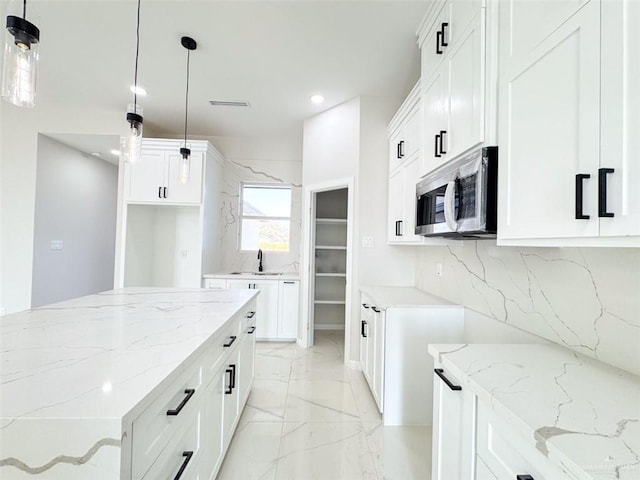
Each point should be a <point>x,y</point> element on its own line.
<point>232,339</point>
<point>288,283</point>
<point>440,373</point>
<point>165,192</point>
<point>233,376</point>
<point>250,315</point>
<point>579,196</point>
<point>445,25</point>
<point>401,148</point>
<point>228,389</point>
<point>438,40</point>
<point>398,150</point>
<point>189,393</point>
<point>251,330</point>
<point>442,134</point>
<point>437,148</point>
<point>602,192</point>
<point>365,305</point>
<point>159,192</point>
<point>187,458</point>
<point>375,309</point>
<point>524,477</point>
<point>363,325</point>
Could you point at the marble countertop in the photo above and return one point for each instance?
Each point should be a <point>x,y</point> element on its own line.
<point>582,414</point>
<point>98,356</point>
<point>254,276</point>
<point>385,297</point>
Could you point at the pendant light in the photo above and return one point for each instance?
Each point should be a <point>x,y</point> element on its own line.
<point>133,141</point>
<point>190,44</point>
<point>20,60</point>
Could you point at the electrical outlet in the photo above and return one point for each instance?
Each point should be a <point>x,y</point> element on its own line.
<point>183,253</point>
<point>57,244</point>
<point>439,269</point>
<point>368,242</point>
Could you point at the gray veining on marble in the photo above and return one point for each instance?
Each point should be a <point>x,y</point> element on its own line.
<point>583,298</point>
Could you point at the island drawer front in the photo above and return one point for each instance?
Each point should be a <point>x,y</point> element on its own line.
<point>154,428</point>
<point>507,453</point>
<point>222,345</point>
<point>183,450</point>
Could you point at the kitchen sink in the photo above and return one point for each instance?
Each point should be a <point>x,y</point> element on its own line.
<point>255,273</point>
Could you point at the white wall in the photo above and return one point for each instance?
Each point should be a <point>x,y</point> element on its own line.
<point>351,141</point>
<point>76,197</point>
<point>18,153</point>
<point>586,299</point>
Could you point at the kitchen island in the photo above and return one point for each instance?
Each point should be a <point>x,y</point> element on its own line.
<point>115,385</point>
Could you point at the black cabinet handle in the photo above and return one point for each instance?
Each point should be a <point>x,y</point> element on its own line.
<point>228,389</point>
<point>440,373</point>
<point>579,196</point>
<point>363,325</point>
<point>233,339</point>
<point>187,458</point>
<point>250,315</point>
<point>444,34</point>
<point>159,192</point>
<point>401,148</point>
<point>233,376</point>
<point>288,283</point>
<point>602,192</point>
<point>524,477</point>
<point>442,134</point>
<point>438,40</point>
<point>164,194</point>
<point>189,393</point>
<point>436,147</point>
<point>251,330</point>
<point>375,309</point>
<point>365,305</point>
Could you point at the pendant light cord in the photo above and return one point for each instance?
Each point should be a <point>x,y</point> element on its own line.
<point>135,75</point>
<point>186,101</point>
<point>24,9</point>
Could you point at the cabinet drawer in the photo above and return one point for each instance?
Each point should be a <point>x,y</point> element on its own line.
<point>180,459</point>
<point>165,418</point>
<point>222,345</point>
<point>507,453</point>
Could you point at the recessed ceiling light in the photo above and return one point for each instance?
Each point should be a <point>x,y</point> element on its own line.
<point>96,154</point>
<point>317,99</point>
<point>115,152</point>
<point>138,90</point>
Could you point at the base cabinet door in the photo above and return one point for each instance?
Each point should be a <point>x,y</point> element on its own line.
<point>212,447</point>
<point>247,356</point>
<point>453,428</point>
<point>288,309</point>
<point>231,402</point>
<point>363,335</point>
<point>378,358</point>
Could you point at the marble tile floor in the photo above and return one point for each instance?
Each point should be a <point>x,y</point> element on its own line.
<point>310,417</point>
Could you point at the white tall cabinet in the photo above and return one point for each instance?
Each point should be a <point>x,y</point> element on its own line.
<point>168,231</point>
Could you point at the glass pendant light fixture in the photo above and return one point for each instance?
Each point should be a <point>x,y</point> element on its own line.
<point>20,60</point>
<point>133,141</point>
<point>190,44</point>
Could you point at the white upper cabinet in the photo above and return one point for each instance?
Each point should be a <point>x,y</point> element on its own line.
<point>568,106</point>
<point>454,78</point>
<point>155,177</point>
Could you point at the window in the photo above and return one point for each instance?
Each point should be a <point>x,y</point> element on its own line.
<point>266,217</point>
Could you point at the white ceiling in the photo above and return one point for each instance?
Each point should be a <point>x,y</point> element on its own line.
<point>273,54</point>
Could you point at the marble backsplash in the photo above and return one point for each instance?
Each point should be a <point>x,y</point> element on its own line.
<point>586,299</point>
<point>238,171</point>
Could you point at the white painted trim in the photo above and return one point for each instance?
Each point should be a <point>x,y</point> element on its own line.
<point>309,191</point>
<point>355,365</point>
<point>336,328</point>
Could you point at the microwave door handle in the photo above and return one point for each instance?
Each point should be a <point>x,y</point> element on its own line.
<point>449,206</point>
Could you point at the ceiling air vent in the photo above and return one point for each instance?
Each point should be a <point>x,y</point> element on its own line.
<point>229,103</point>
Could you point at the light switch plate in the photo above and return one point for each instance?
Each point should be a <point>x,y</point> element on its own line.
<point>368,242</point>
<point>57,244</point>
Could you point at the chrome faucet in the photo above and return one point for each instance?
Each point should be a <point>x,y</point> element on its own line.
<point>260,258</point>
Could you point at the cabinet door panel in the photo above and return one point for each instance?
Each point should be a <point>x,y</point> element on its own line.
<point>549,132</point>
<point>621,116</point>
<point>190,192</point>
<point>465,99</point>
<point>409,179</point>
<point>461,12</point>
<point>378,369</point>
<point>413,131</point>
<point>431,59</point>
<point>288,310</point>
<point>433,98</point>
<point>212,429</point>
<point>146,176</point>
<point>395,205</point>
<point>267,309</point>
<point>246,366</point>
<point>395,159</point>
<point>231,400</point>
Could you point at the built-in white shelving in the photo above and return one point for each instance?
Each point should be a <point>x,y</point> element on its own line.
<point>331,247</point>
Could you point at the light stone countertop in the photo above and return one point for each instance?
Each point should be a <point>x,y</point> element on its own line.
<point>90,365</point>
<point>255,276</point>
<point>582,414</point>
<point>385,297</point>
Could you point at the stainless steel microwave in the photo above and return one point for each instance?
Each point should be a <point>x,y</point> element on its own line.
<point>460,198</point>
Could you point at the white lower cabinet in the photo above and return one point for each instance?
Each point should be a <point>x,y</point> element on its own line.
<point>454,412</point>
<point>185,431</point>
<point>278,304</point>
<point>394,357</point>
